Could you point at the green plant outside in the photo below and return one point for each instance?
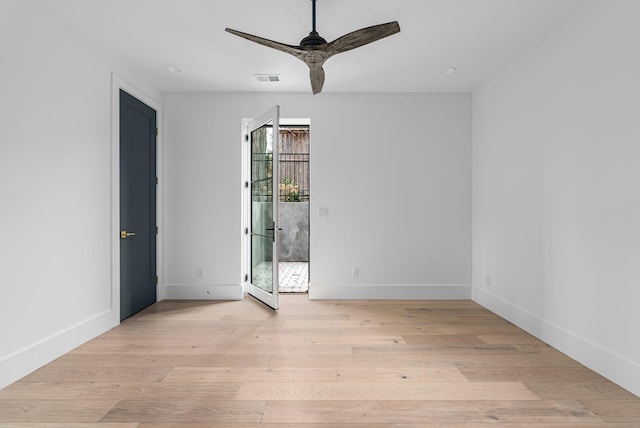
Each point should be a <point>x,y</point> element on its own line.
<point>289,191</point>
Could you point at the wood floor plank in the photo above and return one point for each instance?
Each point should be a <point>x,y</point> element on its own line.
<point>529,412</point>
<point>167,361</point>
<point>422,360</point>
<point>188,314</point>
<point>160,327</point>
<point>616,410</point>
<point>97,374</point>
<point>44,391</point>
<point>443,306</point>
<point>185,411</point>
<point>68,425</point>
<point>324,330</point>
<point>541,374</point>
<point>251,374</point>
<point>312,374</point>
<point>500,339</point>
<point>233,348</point>
<point>71,411</point>
<point>162,391</point>
<point>140,343</point>
<point>432,339</point>
<point>434,375</point>
<point>340,339</point>
<point>391,391</point>
<point>313,324</point>
<point>274,339</point>
<point>161,340</point>
<point>320,317</point>
<point>478,329</point>
<point>449,349</point>
<point>224,326</point>
<point>596,390</point>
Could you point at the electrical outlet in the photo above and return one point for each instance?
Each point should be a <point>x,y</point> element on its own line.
<point>355,272</point>
<point>487,281</point>
<point>199,272</point>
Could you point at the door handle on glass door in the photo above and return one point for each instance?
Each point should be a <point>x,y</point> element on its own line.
<point>272,229</point>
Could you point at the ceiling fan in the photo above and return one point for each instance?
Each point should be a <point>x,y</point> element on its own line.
<point>314,50</point>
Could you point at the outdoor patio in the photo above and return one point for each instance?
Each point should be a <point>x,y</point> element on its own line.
<point>294,277</point>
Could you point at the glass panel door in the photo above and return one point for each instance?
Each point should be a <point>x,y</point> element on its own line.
<point>263,140</point>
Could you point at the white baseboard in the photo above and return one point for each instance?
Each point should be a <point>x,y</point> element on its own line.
<point>25,361</point>
<point>614,367</point>
<point>201,292</point>
<point>389,292</point>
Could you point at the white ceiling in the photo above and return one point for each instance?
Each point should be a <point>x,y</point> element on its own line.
<point>478,37</point>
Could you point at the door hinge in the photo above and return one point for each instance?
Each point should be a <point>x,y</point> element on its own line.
<point>246,137</point>
<point>156,230</point>
<point>157,279</point>
<point>246,230</point>
<point>157,181</point>
<point>246,184</point>
<point>246,277</point>
<point>157,132</point>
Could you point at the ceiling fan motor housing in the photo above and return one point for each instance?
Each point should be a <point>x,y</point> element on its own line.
<point>312,40</point>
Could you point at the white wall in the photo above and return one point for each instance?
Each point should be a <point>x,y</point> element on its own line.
<point>393,170</point>
<point>55,189</point>
<point>556,205</point>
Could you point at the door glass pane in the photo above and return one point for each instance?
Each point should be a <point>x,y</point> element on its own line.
<point>262,260</point>
<point>262,208</point>
<point>262,153</point>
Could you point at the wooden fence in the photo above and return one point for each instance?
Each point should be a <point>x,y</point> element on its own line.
<point>294,163</point>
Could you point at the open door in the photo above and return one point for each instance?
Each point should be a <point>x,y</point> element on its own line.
<point>262,138</point>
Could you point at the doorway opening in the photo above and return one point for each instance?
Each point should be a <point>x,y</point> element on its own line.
<point>293,212</point>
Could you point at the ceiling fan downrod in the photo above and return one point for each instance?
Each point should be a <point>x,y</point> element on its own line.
<point>313,39</point>
<point>313,15</point>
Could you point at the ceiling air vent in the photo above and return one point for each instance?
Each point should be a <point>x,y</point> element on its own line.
<point>267,77</point>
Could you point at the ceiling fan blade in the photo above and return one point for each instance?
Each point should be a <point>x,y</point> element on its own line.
<point>293,50</point>
<point>317,78</point>
<point>362,37</point>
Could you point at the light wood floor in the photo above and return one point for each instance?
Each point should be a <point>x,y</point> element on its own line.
<point>316,364</point>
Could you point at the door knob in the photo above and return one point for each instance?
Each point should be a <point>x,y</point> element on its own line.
<point>124,234</point>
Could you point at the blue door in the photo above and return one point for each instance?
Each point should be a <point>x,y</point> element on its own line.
<point>137,205</point>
